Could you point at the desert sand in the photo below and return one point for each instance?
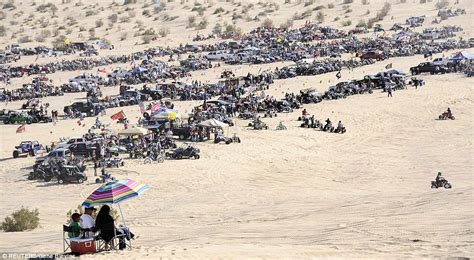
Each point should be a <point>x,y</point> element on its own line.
<point>289,194</point>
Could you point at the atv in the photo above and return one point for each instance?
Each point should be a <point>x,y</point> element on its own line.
<point>28,148</point>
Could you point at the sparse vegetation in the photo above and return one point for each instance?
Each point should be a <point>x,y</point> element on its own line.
<point>113,18</point>
<point>267,23</point>
<point>442,4</point>
<point>383,12</point>
<point>99,23</point>
<point>21,220</point>
<point>191,21</point>
<point>163,32</point>
<point>330,5</point>
<point>217,29</point>
<point>24,39</point>
<point>320,17</point>
<point>346,2</point>
<point>346,23</point>
<point>361,24</point>
<point>365,2</point>
<point>3,31</point>
<point>202,24</point>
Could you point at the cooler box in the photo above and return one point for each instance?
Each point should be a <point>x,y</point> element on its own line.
<point>82,245</point>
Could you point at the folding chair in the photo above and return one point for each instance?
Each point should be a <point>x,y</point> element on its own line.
<point>66,244</point>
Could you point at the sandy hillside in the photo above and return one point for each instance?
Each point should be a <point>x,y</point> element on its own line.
<point>299,193</point>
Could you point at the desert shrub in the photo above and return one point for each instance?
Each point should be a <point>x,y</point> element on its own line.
<point>113,18</point>
<point>123,36</point>
<point>320,17</point>
<point>149,31</point>
<point>267,23</point>
<point>3,15</point>
<point>319,7</point>
<point>308,2</point>
<point>202,24</point>
<point>127,2</point>
<point>146,12</point>
<point>3,31</point>
<point>384,11</point>
<point>443,16</point>
<point>9,5</point>
<point>403,1</point>
<point>217,29</point>
<point>124,19</point>
<point>24,39</point>
<point>346,23</point>
<point>348,11</point>
<point>163,32</point>
<point>442,4</point>
<point>218,10</point>
<point>371,22</point>
<point>330,5</point>
<point>346,2</point>
<point>337,18</point>
<point>147,39</point>
<point>365,2</point>
<point>191,21</point>
<point>361,24</point>
<point>287,24</point>
<point>21,220</point>
<point>99,23</point>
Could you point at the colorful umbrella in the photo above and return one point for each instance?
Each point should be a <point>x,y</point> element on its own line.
<point>115,192</point>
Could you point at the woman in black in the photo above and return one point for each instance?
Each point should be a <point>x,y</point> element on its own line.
<point>105,224</point>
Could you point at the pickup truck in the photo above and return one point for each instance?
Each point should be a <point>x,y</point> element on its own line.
<point>428,67</point>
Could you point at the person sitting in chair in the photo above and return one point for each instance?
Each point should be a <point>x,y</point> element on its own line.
<point>75,226</point>
<point>439,178</point>
<point>104,223</point>
<point>87,222</point>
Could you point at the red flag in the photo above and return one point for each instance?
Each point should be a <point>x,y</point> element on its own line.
<point>21,128</point>
<point>155,107</point>
<point>117,116</point>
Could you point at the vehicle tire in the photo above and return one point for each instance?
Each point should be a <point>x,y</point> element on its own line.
<point>433,186</point>
<point>196,156</point>
<point>28,121</point>
<point>161,159</point>
<point>31,177</point>
<point>228,141</point>
<point>60,181</point>
<point>122,163</point>
<point>447,185</point>
<point>452,118</point>
<point>179,156</point>
<point>80,180</point>
<point>6,121</point>
<point>147,160</point>
<point>16,154</point>
<point>238,140</point>
<point>167,154</point>
<point>181,137</point>
<point>47,179</point>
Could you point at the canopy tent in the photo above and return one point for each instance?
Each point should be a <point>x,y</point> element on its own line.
<point>166,113</point>
<point>213,123</point>
<point>133,131</point>
<point>462,55</point>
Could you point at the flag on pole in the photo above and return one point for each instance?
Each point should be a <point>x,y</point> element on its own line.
<point>155,107</point>
<point>21,129</point>
<point>142,107</point>
<point>118,115</point>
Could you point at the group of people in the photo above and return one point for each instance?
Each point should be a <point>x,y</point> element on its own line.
<point>103,227</point>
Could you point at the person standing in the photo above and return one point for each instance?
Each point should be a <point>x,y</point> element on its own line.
<point>389,90</point>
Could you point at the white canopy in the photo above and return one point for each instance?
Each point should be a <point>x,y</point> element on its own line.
<point>213,123</point>
<point>133,131</point>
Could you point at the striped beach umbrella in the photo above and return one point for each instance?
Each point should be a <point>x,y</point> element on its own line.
<point>114,192</point>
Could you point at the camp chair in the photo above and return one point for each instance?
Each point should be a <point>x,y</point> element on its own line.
<point>114,243</point>
<point>66,244</point>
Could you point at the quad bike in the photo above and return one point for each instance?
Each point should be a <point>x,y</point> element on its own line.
<point>328,128</point>
<point>270,113</point>
<point>154,157</point>
<point>446,116</point>
<point>340,130</point>
<point>187,151</point>
<point>257,124</point>
<point>71,173</point>
<point>227,140</point>
<point>106,177</point>
<point>281,126</point>
<point>440,184</point>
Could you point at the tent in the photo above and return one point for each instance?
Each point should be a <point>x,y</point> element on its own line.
<point>213,123</point>
<point>133,131</point>
<point>166,113</point>
<point>462,55</point>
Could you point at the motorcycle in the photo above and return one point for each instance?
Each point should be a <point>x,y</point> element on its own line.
<point>446,116</point>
